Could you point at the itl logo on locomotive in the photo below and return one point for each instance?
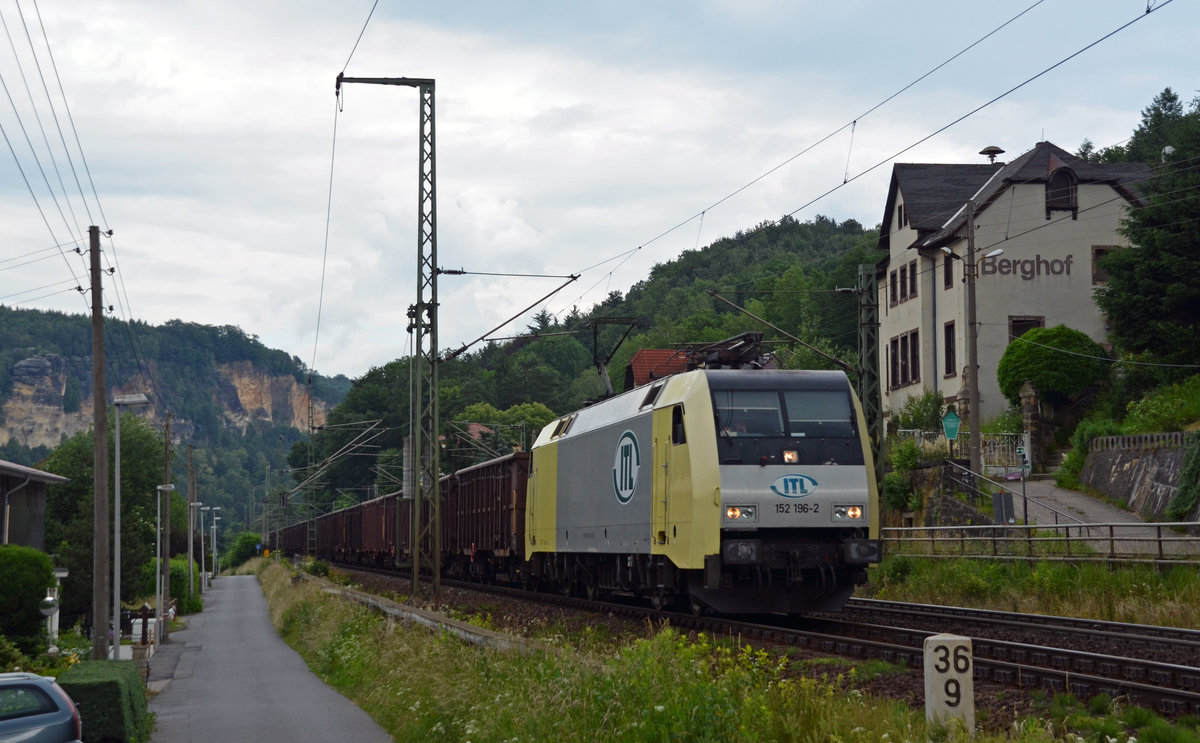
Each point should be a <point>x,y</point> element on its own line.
<point>626,462</point>
<point>793,486</point>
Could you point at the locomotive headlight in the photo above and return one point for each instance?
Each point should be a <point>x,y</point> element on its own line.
<point>741,513</point>
<point>791,457</point>
<point>847,513</point>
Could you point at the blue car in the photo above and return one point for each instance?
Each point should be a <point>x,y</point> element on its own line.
<point>35,709</point>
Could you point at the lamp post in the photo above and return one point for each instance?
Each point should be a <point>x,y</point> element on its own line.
<point>158,583</point>
<point>214,545</point>
<point>118,401</point>
<point>203,570</point>
<point>192,506</point>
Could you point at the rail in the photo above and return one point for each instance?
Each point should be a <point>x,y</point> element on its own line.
<point>1161,544</point>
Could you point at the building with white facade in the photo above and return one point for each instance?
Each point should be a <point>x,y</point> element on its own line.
<point>1051,213</point>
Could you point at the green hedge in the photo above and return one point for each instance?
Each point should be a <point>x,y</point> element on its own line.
<point>25,574</point>
<point>110,699</point>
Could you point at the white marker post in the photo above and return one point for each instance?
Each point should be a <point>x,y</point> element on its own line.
<point>949,681</point>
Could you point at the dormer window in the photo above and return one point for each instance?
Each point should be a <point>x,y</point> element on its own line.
<point>1062,192</point>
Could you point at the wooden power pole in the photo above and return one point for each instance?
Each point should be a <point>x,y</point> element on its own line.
<point>100,515</point>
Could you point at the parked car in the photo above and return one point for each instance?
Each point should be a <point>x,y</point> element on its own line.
<point>35,709</point>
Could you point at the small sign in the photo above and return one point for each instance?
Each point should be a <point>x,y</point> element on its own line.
<point>949,681</point>
<point>950,424</point>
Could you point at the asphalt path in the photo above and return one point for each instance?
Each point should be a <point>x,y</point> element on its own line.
<point>1050,504</point>
<point>229,677</point>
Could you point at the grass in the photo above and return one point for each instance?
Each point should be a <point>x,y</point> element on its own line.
<point>1139,595</point>
<point>664,687</point>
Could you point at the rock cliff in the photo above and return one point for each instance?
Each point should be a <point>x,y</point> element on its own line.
<point>51,398</point>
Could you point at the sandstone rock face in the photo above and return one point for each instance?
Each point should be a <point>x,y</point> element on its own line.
<point>34,415</point>
<point>248,394</point>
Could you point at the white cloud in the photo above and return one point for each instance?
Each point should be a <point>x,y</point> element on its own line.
<point>567,136</point>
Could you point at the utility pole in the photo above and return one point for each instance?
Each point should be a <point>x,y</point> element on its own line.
<point>100,515</point>
<point>423,405</point>
<point>970,269</point>
<point>191,498</point>
<point>165,563</point>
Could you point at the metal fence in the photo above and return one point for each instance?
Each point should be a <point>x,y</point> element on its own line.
<point>1161,544</point>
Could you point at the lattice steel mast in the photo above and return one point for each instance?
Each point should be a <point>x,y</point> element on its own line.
<point>426,534</point>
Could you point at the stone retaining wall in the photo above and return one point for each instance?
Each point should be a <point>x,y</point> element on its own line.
<point>1140,471</point>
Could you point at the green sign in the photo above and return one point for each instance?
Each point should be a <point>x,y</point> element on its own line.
<point>950,424</point>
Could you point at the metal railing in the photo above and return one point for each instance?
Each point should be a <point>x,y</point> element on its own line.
<point>956,476</point>
<point>1162,544</point>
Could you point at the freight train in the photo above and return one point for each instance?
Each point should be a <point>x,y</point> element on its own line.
<point>725,490</point>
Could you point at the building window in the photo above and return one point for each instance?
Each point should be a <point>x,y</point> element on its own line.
<point>892,283</point>
<point>1062,192</point>
<point>905,362</point>
<point>901,216</point>
<point>1019,325</point>
<point>912,279</point>
<point>951,366</point>
<point>904,283</point>
<point>947,272</point>
<point>914,358</point>
<point>894,364</point>
<point>1099,275</point>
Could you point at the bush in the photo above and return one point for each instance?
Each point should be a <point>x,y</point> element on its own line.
<point>242,549</point>
<point>920,412</point>
<point>1187,497</point>
<point>189,600</point>
<point>1060,362</point>
<point>1169,408</point>
<point>25,575</point>
<point>110,699</point>
<point>898,491</point>
<point>1088,429</point>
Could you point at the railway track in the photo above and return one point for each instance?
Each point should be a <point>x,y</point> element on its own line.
<point>1154,667</point>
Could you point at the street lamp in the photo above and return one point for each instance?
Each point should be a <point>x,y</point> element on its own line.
<point>192,506</point>
<point>158,567</point>
<point>118,401</point>
<point>214,545</point>
<point>203,572</point>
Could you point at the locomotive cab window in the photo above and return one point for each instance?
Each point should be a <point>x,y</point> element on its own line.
<point>748,412</point>
<point>816,413</point>
<point>678,435</point>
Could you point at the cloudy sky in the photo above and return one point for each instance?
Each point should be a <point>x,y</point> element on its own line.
<point>595,138</point>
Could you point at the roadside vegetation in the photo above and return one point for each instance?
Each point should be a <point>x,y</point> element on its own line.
<point>663,686</point>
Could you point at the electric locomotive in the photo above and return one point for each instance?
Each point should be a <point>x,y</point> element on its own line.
<point>729,490</point>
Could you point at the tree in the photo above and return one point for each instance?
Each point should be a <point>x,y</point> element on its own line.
<point>25,573</point>
<point>69,522</point>
<point>1060,362</point>
<point>1152,296</point>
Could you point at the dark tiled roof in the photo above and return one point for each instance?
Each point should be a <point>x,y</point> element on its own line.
<point>1035,166</point>
<point>932,193</point>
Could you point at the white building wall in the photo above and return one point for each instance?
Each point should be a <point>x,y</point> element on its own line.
<point>1045,272</point>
